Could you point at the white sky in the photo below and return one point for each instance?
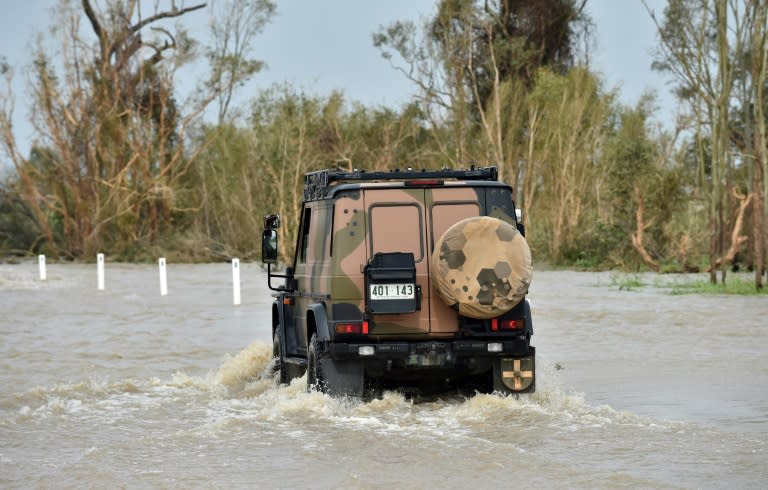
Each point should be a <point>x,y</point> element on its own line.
<point>323,45</point>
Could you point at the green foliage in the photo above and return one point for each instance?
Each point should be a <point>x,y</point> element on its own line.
<point>626,282</point>
<point>733,286</point>
<point>562,159</point>
<point>508,40</point>
<point>594,247</point>
<point>247,172</point>
<point>18,233</point>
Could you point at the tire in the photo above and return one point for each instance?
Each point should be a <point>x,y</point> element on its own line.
<point>315,379</point>
<point>279,367</point>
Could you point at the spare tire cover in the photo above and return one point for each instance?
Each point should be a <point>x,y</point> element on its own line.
<point>481,266</point>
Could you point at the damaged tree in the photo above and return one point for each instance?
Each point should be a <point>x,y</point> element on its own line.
<point>108,167</point>
<point>638,235</point>
<point>737,239</point>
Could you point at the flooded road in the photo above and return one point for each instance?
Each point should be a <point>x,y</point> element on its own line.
<point>127,388</point>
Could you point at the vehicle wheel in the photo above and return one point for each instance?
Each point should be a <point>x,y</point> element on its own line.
<point>315,379</point>
<point>278,366</point>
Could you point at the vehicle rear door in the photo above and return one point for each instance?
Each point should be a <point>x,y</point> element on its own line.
<point>447,206</point>
<point>397,222</point>
<point>412,220</point>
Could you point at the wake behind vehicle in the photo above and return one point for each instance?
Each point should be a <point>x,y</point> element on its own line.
<point>404,279</point>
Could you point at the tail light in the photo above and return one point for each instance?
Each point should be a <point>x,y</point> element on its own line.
<point>352,328</point>
<point>498,324</point>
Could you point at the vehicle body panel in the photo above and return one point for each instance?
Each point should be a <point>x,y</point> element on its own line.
<point>343,228</point>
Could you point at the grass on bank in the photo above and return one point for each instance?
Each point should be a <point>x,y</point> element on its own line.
<point>735,285</point>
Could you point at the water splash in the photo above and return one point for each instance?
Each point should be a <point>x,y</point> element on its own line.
<point>248,373</point>
<point>244,388</point>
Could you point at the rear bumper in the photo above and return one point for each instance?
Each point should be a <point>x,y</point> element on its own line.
<point>509,363</point>
<point>431,353</point>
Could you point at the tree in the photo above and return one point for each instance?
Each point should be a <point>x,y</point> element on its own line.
<point>234,28</point>
<point>567,138</point>
<point>113,133</point>
<point>438,73</point>
<point>703,45</point>
<point>759,72</point>
<point>474,63</point>
<point>509,39</point>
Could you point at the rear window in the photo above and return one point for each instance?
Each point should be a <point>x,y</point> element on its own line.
<point>397,228</point>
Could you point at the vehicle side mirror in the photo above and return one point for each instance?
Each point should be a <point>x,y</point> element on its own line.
<point>519,221</point>
<point>269,246</point>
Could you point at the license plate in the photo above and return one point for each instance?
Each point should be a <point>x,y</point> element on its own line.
<point>392,291</point>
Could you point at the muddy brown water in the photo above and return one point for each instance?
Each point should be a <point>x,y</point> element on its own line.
<point>125,388</point>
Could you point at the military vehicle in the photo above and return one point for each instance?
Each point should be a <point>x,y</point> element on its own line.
<point>414,280</point>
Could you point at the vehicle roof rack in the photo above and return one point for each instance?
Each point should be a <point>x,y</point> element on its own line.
<point>316,183</point>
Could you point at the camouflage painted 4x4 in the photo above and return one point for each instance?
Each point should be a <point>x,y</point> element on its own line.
<point>407,279</point>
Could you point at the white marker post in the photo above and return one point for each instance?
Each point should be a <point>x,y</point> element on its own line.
<point>41,262</point>
<point>236,281</point>
<point>163,278</point>
<point>100,270</point>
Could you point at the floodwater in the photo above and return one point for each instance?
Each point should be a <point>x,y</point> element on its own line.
<point>127,388</point>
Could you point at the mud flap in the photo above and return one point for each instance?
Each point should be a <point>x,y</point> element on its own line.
<point>343,378</point>
<point>516,375</point>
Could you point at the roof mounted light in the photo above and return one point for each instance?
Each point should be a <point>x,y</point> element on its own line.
<point>423,182</point>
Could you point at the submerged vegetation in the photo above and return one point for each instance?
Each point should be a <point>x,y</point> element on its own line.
<point>736,286</point>
<point>121,163</point>
<point>626,282</point>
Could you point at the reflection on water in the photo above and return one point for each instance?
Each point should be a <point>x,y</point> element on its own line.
<point>124,387</point>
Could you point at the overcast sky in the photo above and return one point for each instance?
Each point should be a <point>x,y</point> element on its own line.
<point>322,45</point>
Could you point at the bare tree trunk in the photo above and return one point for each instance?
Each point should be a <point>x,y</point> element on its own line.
<point>758,217</point>
<point>637,236</point>
<point>759,68</point>
<point>720,129</point>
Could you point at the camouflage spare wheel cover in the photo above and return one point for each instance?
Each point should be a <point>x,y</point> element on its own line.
<point>483,266</point>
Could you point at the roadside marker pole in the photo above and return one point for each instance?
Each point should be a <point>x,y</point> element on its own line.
<point>41,262</point>
<point>100,270</point>
<point>236,281</point>
<point>163,278</point>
